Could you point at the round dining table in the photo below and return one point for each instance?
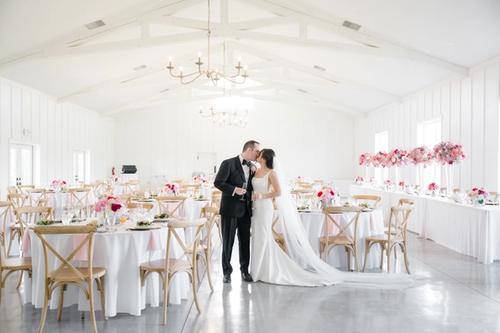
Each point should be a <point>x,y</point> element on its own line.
<point>120,251</point>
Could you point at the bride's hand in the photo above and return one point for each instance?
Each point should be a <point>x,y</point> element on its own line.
<point>256,196</point>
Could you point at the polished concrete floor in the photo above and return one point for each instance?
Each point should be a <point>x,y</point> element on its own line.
<point>453,293</point>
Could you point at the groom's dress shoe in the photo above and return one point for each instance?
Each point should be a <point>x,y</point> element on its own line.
<point>246,277</point>
<point>227,278</point>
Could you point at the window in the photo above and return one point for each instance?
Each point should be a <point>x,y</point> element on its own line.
<point>381,144</point>
<point>20,164</point>
<point>81,166</point>
<point>429,134</point>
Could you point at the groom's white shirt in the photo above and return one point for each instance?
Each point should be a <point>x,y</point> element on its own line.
<point>246,171</point>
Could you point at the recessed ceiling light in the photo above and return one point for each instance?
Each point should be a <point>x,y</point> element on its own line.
<point>370,45</point>
<point>164,90</point>
<point>95,24</point>
<point>351,25</point>
<point>323,69</point>
<point>302,90</point>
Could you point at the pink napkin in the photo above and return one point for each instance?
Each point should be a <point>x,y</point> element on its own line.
<point>154,243</point>
<point>82,254</point>
<point>26,244</point>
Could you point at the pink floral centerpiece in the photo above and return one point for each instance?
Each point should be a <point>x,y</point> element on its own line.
<point>479,195</point>
<point>396,157</point>
<point>448,153</point>
<point>379,159</point>
<point>170,188</point>
<point>421,156</point>
<point>326,195</point>
<point>359,180</point>
<point>199,179</point>
<point>365,159</point>
<point>433,187</point>
<point>58,184</point>
<point>402,184</point>
<point>109,207</point>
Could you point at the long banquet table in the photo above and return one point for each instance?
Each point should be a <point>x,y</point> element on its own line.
<point>472,230</point>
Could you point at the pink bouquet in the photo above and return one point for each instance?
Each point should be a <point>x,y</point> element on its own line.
<point>58,184</point>
<point>388,182</point>
<point>326,194</point>
<point>402,183</point>
<point>421,155</point>
<point>111,203</point>
<point>448,153</point>
<point>170,188</point>
<point>396,157</point>
<point>433,187</point>
<point>365,159</point>
<point>476,192</point>
<point>359,180</point>
<point>379,159</point>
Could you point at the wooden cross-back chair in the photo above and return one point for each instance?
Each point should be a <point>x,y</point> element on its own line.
<point>4,219</point>
<point>371,200</point>
<point>79,199</point>
<point>38,196</point>
<point>10,265</point>
<point>396,235</point>
<point>12,190</point>
<point>171,205</point>
<point>168,267</point>
<point>216,198</point>
<point>187,189</point>
<point>213,216</point>
<point>25,188</point>
<point>26,216</point>
<point>18,200</point>
<point>344,234</point>
<point>67,273</point>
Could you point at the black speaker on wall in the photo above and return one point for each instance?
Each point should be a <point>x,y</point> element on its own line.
<point>130,169</point>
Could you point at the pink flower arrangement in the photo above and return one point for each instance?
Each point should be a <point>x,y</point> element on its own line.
<point>379,159</point>
<point>421,155</point>
<point>388,182</point>
<point>396,157</point>
<point>402,183</point>
<point>359,180</point>
<point>448,153</point>
<point>433,187</point>
<point>58,183</point>
<point>111,203</point>
<point>476,192</point>
<point>326,194</point>
<point>199,179</point>
<point>170,188</point>
<point>365,159</point>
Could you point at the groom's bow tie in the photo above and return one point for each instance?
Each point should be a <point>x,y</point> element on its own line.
<point>245,162</point>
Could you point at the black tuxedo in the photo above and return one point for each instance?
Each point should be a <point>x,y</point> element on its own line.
<point>236,212</point>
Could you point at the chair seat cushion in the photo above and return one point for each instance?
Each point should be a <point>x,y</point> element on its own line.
<point>337,240</point>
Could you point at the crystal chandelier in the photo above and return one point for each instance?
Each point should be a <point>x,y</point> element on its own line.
<point>213,74</point>
<point>228,111</point>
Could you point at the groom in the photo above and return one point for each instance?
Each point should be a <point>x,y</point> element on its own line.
<point>234,179</point>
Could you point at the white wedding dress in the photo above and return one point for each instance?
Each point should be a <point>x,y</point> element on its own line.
<point>301,266</point>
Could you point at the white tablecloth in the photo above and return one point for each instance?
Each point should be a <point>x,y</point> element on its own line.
<point>121,254</point>
<point>468,229</point>
<point>369,223</point>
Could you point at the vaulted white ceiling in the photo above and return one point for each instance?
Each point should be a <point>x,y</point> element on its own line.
<point>297,51</point>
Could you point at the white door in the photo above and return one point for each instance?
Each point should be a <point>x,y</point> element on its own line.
<point>21,164</point>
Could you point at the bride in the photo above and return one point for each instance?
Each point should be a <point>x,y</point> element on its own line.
<point>301,266</point>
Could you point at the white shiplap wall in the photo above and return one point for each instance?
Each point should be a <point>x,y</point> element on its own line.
<point>469,111</point>
<point>58,129</point>
<point>314,143</point>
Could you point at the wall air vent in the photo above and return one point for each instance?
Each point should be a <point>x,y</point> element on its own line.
<point>351,25</point>
<point>95,24</point>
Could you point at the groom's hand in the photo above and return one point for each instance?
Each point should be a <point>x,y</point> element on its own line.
<point>240,191</point>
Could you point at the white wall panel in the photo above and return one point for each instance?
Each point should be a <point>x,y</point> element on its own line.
<point>469,112</point>
<point>57,129</point>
